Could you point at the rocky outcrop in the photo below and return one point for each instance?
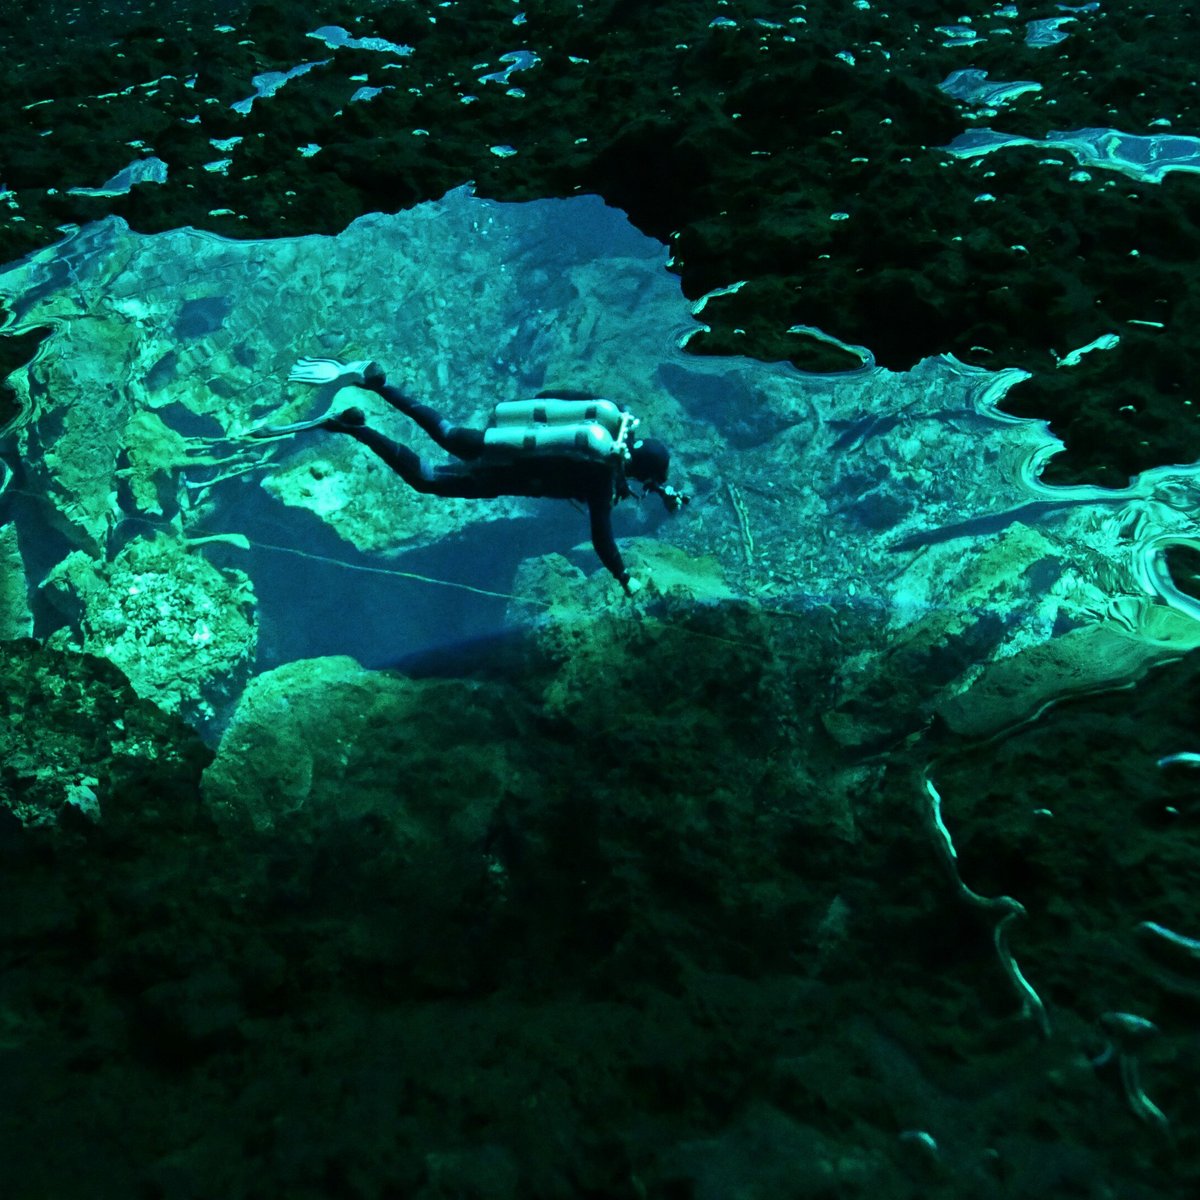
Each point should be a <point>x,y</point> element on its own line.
<point>182,631</point>
<point>73,733</point>
<point>328,740</point>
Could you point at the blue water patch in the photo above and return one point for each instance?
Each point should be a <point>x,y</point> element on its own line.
<point>144,170</point>
<point>337,38</point>
<point>269,82</point>
<point>972,86</point>
<point>910,497</point>
<point>516,60</point>
<point>202,316</point>
<point>1147,158</point>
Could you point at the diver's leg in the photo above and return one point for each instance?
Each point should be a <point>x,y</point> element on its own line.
<point>458,440</point>
<point>408,465</point>
<point>411,467</point>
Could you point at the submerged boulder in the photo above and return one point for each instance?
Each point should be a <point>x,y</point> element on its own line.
<point>15,617</point>
<point>330,740</point>
<point>181,630</point>
<point>73,733</point>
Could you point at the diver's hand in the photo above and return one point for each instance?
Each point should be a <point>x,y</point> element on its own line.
<point>320,371</point>
<point>631,585</point>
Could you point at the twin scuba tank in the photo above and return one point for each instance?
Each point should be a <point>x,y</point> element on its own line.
<point>591,430</point>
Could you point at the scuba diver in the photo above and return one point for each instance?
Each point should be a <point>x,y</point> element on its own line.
<point>561,445</point>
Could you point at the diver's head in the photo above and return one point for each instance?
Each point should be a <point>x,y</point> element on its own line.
<point>649,462</point>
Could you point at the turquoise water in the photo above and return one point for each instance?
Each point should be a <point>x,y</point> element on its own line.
<point>355,842</point>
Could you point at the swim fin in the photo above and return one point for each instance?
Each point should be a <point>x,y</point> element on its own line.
<point>281,431</point>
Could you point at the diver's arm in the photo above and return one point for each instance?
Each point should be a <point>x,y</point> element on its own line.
<point>603,542</point>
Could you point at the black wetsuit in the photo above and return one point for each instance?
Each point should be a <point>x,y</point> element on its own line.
<point>484,472</point>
